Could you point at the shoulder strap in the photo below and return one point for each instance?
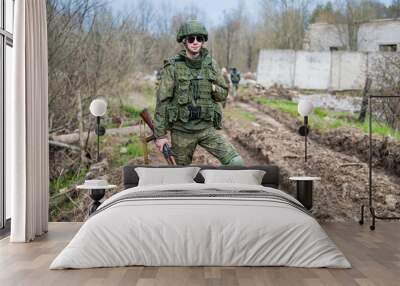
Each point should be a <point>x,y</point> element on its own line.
<point>172,61</point>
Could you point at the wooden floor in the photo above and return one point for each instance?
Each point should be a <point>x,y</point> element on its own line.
<point>375,257</point>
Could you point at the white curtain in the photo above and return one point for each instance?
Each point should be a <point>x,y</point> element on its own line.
<point>27,124</point>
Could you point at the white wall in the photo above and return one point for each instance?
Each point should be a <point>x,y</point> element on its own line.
<point>348,70</point>
<point>312,70</point>
<point>276,66</point>
<point>317,70</point>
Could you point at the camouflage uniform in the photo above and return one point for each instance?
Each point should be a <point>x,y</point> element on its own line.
<point>187,105</point>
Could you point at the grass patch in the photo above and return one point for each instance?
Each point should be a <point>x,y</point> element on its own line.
<point>283,105</point>
<point>319,112</point>
<point>67,180</point>
<point>240,114</point>
<point>131,111</point>
<point>111,126</point>
<point>325,120</point>
<point>59,202</point>
<point>379,128</point>
<point>132,149</point>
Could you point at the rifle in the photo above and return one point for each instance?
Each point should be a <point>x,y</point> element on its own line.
<point>167,152</point>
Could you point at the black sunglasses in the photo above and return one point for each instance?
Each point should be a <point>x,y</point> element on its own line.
<point>198,38</point>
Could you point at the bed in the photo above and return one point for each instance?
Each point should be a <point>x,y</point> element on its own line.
<point>201,224</point>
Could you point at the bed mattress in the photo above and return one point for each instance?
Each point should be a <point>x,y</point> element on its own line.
<point>201,225</point>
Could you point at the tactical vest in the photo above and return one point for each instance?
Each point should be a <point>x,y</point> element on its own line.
<point>192,98</point>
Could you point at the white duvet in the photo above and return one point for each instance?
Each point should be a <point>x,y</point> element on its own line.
<point>200,231</point>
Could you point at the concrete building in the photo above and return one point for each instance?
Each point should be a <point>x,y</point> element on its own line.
<point>378,35</point>
<point>323,37</point>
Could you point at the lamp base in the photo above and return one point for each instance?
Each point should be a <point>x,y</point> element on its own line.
<point>100,131</point>
<point>304,130</point>
<point>96,195</point>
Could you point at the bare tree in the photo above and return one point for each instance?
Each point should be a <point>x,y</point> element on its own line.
<point>386,81</point>
<point>226,36</point>
<point>285,22</point>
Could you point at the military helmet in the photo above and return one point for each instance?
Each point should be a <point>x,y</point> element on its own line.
<point>193,27</point>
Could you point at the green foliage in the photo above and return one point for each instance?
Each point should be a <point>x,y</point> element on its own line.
<point>130,111</point>
<point>111,125</point>
<point>58,201</point>
<point>135,149</point>
<point>241,114</point>
<point>131,150</point>
<point>325,120</point>
<point>283,105</point>
<point>379,128</point>
<point>320,112</point>
<point>67,180</point>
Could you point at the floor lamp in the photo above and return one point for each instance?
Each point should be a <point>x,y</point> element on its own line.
<point>370,202</point>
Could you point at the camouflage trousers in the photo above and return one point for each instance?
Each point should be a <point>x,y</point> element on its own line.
<point>184,145</point>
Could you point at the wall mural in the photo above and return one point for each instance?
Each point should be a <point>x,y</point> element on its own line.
<point>151,88</point>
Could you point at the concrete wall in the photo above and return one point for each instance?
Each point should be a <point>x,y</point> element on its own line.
<point>348,70</point>
<point>312,70</point>
<point>317,70</point>
<point>277,67</point>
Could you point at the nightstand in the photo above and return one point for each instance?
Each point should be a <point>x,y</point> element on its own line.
<point>305,190</point>
<point>96,193</point>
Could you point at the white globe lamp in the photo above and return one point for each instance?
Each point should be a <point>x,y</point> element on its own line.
<point>98,108</point>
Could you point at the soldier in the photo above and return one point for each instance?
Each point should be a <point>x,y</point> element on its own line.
<point>235,78</point>
<point>188,101</point>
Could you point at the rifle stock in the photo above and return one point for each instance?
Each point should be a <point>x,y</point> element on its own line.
<point>167,152</point>
<point>145,115</point>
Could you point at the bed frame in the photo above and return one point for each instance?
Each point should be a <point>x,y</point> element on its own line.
<point>130,178</point>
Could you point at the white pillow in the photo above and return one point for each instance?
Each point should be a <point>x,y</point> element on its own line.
<point>248,177</point>
<point>162,176</point>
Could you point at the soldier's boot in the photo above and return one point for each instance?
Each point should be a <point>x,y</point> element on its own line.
<point>236,161</point>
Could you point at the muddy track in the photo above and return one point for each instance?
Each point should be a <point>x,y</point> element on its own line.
<point>343,187</point>
<point>349,140</point>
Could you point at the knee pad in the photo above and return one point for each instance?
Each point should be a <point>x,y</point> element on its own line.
<point>236,161</point>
